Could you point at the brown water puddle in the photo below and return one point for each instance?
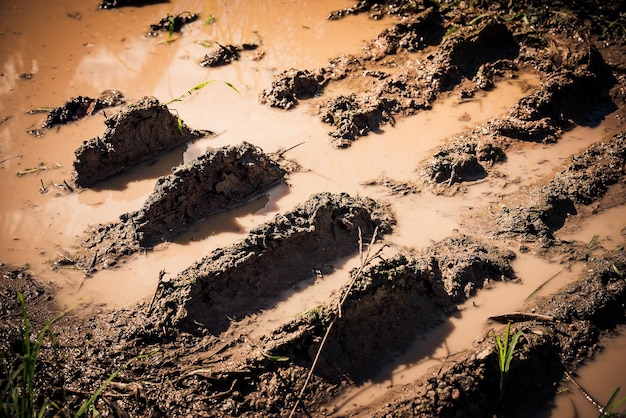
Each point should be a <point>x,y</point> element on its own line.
<point>603,231</point>
<point>96,50</point>
<point>600,378</point>
<point>107,50</point>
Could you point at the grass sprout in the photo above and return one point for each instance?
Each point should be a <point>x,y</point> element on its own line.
<point>199,87</point>
<point>19,393</point>
<point>506,350</point>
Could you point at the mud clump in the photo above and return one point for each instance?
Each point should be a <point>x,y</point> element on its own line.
<point>78,107</point>
<point>411,35</point>
<point>172,23</point>
<point>138,132</point>
<point>240,279</point>
<point>388,306</point>
<point>218,180</point>
<point>291,86</point>
<point>585,179</point>
<point>462,161</point>
<point>225,54</point>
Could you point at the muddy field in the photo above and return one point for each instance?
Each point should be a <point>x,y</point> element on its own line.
<point>333,215</point>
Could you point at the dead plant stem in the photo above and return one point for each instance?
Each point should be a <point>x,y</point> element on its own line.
<point>364,261</point>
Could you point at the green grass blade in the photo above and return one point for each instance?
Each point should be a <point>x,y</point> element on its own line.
<point>198,87</point>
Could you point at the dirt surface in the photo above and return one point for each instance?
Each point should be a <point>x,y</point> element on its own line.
<point>203,358</point>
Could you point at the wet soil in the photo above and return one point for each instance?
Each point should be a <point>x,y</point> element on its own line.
<point>201,343</point>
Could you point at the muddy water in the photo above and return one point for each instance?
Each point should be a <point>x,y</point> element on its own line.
<point>598,378</point>
<point>107,50</point>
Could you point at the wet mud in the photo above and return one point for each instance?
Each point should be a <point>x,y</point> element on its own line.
<point>205,361</point>
<point>225,54</point>
<point>81,106</point>
<point>136,133</point>
<point>218,180</point>
<point>582,182</point>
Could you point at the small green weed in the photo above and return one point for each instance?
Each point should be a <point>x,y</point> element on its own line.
<point>19,393</point>
<point>198,87</point>
<point>506,349</point>
<point>210,20</point>
<point>189,93</point>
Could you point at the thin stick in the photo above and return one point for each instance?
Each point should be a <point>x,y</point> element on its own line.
<point>541,286</point>
<point>10,158</point>
<point>280,154</point>
<point>364,262</point>
<point>584,392</point>
<point>521,317</point>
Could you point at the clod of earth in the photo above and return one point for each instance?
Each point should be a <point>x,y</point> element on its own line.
<point>585,179</point>
<point>112,4</point>
<point>218,180</point>
<point>290,86</point>
<point>225,54</point>
<point>172,23</point>
<point>78,107</point>
<point>138,132</point>
<point>388,306</point>
<point>240,279</point>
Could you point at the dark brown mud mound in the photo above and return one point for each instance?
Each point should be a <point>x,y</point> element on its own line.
<point>388,305</point>
<point>377,9</point>
<point>467,385</point>
<point>218,180</point>
<point>291,86</point>
<point>464,160</point>
<point>172,23</point>
<point>136,133</point>
<point>585,179</point>
<point>225,54</point>
<point>240,279</point>
<point>78,107</point>
<point>112,4</point>
<point>412,34</point>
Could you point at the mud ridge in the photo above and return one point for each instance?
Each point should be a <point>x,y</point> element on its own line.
<point>467,384</point>
<point>461,56</point>
<point>216,181</point>
<point>138,132</point>
<point>240,279</point>
<point>542,116</point>
<point>78,107</point>
<point>582,181</point>
<point>417,291</point>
